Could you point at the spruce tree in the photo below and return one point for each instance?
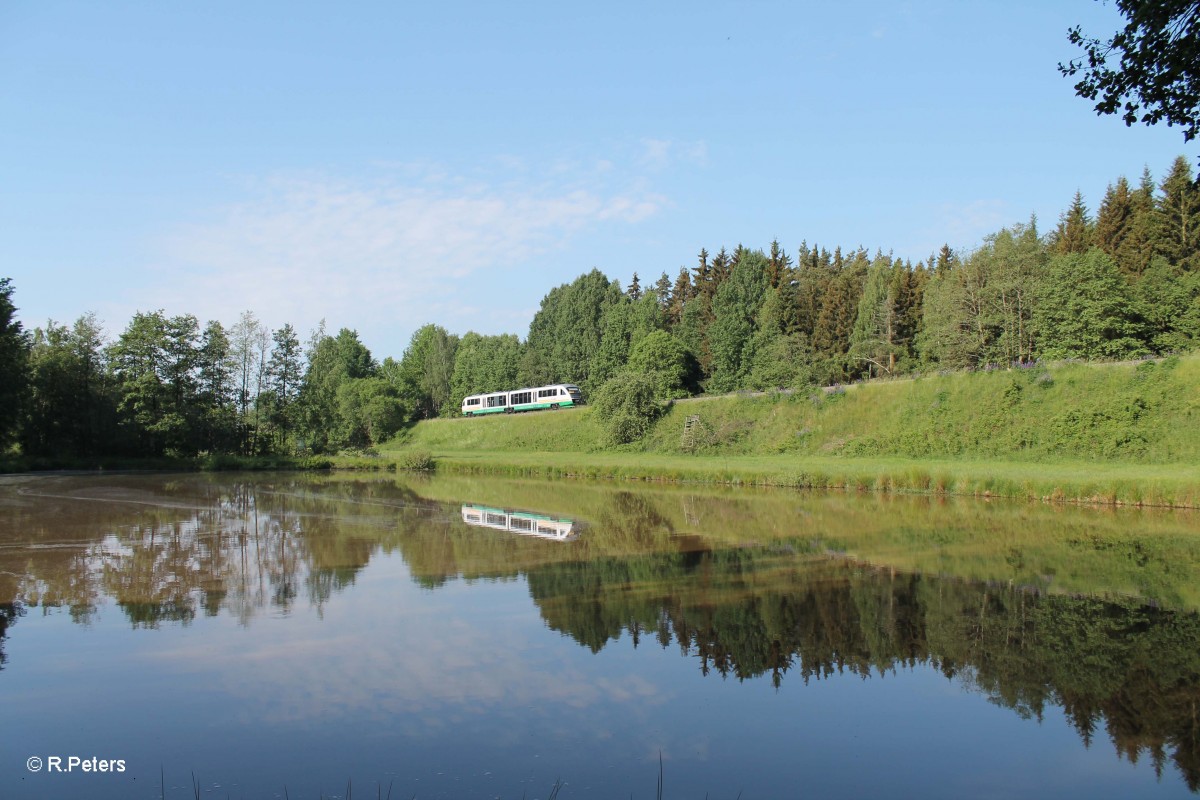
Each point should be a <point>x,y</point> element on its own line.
<point>1137,246</point>
<point>662,290</point>
<point>1178,217</point>
<point>635,288</point>
<point>681,293</point>
<point>1114,217</point>
<point>1074,234</point>
<point>779,266</point>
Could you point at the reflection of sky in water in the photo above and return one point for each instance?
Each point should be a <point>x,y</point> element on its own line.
<point>463,691</point>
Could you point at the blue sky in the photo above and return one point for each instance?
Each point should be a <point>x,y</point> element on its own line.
<point>386,164</point>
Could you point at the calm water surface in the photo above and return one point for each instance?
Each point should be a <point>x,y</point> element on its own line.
<point>472,638</point>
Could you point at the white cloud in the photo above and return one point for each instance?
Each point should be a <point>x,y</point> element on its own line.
<point>659,154</point>
<point>364,252</point>
<point>963,225</point>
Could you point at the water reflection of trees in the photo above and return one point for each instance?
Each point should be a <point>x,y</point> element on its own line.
<point>168,551</point>
<point>9,612</point>
<point>1129,667</point>
<point>648,569</point>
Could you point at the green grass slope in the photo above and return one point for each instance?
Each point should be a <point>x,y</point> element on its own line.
<point>1102,432</point>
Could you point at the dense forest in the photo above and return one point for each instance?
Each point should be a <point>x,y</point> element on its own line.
<point>1122,282</point>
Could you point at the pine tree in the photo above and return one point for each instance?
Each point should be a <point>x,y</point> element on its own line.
<point>1113,220</point>
<point>779,266</point>
<point>635,288</point>
<point>1178,217</point>
<point>946,260</point>
<point>662,290</point>
<point>1074,234</point>
<point>1137,247</point>
<point>702,272</point>
<point>681,293</point>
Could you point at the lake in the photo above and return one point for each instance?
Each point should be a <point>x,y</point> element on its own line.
<point>309,635</point>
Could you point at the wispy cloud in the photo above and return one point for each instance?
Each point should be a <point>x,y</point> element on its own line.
<point>660,154</point>
<point>361,251</point>
<point>964,225</point>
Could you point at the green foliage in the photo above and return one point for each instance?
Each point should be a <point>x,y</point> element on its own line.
<point>664,360</point>
<point>1158,72</point>
<point>14,355</point>
<point>627,406</point>
<point>1177,217</point>
<point>370,411</point>
<point>332,362</point>
<point>155,365</point>
<point>564,336</point>
<point>71,407</point>
<point>416,460</point>
<point>425,372</point>
<point>1086,310</point>
<point>736,305</point>
<point>484,364</point>
<point>980,311</point>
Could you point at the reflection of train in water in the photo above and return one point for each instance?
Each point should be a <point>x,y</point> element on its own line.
<point>525,523</point>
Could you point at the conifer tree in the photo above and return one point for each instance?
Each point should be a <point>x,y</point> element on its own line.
<point>722,266</point>
<point>1178,217</point>
<point>813,276</point>
<point>284,373</point>
<point>1114,217</point>
<point>662,290</point>
<point>681,293</point>
<point>1137,247</point>
<point>702,273</point>
<point>946,259</point>
<point>634,291</point>
<point>1074,234</point>
<point>779,266</point>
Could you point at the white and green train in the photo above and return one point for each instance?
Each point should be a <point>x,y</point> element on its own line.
<point>559,395</point>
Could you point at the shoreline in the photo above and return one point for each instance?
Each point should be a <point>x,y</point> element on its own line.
<point>1075,483</point>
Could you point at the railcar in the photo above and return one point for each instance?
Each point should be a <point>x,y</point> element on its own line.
<point>535,398</point>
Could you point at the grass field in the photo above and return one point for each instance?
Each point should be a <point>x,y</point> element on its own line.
<point>1111,433</point>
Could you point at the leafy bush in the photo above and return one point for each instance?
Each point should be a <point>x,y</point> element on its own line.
<point>416,460</point>
<point>628,407</point>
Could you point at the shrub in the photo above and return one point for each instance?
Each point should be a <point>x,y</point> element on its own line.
<point>627,407</point>
<point>416,459</point>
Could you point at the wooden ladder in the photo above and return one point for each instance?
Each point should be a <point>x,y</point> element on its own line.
<point>688,442</point>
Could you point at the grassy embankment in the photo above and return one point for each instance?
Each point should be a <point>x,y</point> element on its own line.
<point>1109,433</point>
<point>212,463</point>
